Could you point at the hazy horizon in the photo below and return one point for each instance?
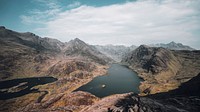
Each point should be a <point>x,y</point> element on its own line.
<point>117,22</point>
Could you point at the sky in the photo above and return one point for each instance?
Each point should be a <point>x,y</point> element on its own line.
<point>118,22</point>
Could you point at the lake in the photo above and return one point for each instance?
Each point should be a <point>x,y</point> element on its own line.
<point>120,79</point>
<point>19,87</point>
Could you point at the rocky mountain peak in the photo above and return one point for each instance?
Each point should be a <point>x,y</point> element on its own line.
<point>2,27</point>
<point>76,44</point>
<point>172,43</point>
<point>151,59</point>
<point>143,47</point>
<point>173,46</point>
<point>78,48</point>
<point>4,31</point>
<point>77,40</point>
<point>143,50</point>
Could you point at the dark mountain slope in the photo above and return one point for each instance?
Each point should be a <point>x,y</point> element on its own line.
<point>163,69</point>
<point>151,59</point>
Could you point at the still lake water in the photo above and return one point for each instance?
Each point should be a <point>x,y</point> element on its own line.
<point>120,79</point>
<point>26,88</point>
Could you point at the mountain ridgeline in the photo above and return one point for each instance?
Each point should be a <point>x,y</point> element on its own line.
<point>116,52</point>
<point>77,47</point>
<point>173,46</point>
<point>170,73</point>
<point>163,69</point>
<point>17,48</point>
<point>151,59</point>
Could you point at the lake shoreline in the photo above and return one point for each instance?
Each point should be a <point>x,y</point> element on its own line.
<point>119,79</point>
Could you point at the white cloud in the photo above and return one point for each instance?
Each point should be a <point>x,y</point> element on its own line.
<point>37,16</point>
<point>75,4</point>
<point>141,22</point>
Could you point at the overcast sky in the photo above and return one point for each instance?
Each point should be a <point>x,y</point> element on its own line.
<point>124,22</point>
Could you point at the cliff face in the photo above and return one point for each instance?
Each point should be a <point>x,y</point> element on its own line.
<point>161,68</point>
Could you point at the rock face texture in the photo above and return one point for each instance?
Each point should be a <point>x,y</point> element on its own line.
<point>162,69</point>
<point>184,99</point>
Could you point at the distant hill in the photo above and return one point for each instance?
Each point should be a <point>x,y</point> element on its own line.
<point>173,46</point>
<point>115,52</point>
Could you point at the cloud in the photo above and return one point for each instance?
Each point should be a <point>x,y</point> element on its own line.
<point>75,4</point>
<point>131,23</point>
<point>36,16</point>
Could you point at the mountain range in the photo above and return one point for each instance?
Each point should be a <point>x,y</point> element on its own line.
<point>117,52</point>
<point>17,48</point>
<point>170,73</point>
<point>173,46</point>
